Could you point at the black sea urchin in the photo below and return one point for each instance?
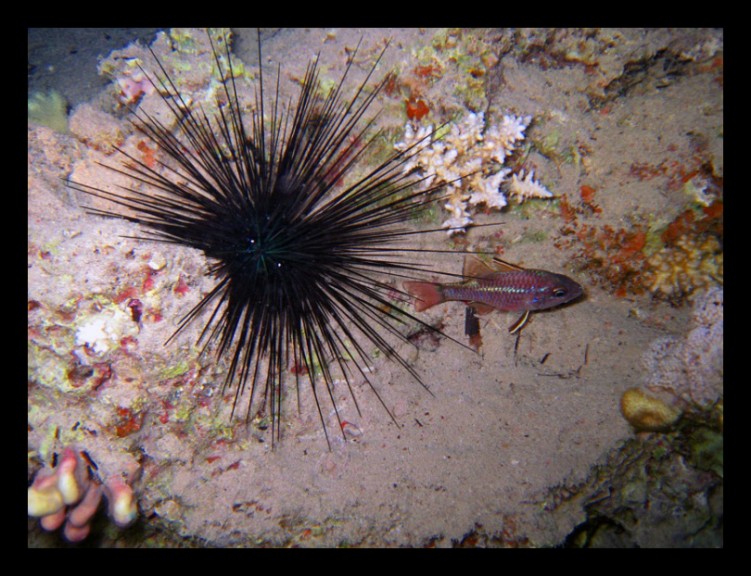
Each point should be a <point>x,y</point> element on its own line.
<point>302,260</point>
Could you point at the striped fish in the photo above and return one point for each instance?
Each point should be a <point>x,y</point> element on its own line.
<point>498,286</point>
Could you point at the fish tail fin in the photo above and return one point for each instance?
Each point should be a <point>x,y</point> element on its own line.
<point>427,294</point>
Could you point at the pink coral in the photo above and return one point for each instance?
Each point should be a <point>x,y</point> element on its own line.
<point>67,496</point>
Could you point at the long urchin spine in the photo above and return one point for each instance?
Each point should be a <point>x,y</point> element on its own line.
<point>296,255</point>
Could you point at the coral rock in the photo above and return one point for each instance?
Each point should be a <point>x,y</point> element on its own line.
<point>647,413</point>
<point>690,265</point>
<point>691,368</point>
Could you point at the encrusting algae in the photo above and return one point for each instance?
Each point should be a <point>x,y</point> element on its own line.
<point>689,265</point>
<point>49,110</point>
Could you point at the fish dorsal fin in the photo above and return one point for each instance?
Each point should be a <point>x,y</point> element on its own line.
<point>476,267</point>
<point>503,266</point>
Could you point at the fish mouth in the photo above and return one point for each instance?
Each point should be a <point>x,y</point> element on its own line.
<point>576,291</point>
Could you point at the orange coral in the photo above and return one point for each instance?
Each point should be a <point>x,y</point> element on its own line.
<point>128,422</point>
<point>416,108</point>
<point>588,197</point>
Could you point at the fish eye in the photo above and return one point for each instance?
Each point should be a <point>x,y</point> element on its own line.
<point>559,292</point>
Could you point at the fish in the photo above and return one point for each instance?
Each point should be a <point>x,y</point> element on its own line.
<point>498,285</point>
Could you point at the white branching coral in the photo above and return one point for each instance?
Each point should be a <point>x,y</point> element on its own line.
<point>459,219</point>
<point>468,157</point>
<point>523,187</point>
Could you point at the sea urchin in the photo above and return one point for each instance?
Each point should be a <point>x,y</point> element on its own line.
<point>302,241</point>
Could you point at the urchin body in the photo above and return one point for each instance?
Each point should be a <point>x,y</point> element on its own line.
<point>301,261</point>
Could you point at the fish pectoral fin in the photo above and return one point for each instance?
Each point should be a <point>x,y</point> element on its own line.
<point>472,328</point>
<point>520,323</point>
<point>503,266</point>
<point>480,308</point>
